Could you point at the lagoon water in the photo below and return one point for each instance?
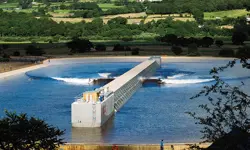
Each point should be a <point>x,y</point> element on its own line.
<point>153,113</point>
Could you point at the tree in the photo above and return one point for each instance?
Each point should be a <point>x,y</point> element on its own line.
<point>219,43</point>
<point>238,37</point>
<point>100,47</point>
<point>226,52</point>
<point>23,132</point>
<point>247,5</point>
<point>118,47</point>
<point>207,41</point>
<point>24,4</point>
<point>176,50</point>
<point>3,48</point>
<point>169,38</point>
<point>34,50</point>
<point>227,109</point>
<point>198,16</point>
<point>79,45</point>
<point>193,50</point>
<point>135,51</point>
<point>118,20</point>
<point>16,53</point>
<point>243,52</point>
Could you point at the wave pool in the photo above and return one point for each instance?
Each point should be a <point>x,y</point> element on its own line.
<point>153,113</point>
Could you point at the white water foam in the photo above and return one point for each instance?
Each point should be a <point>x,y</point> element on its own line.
<point>104,75</point>
<point>177,76</point>
<point>185,81</point>
<point>76,81</point>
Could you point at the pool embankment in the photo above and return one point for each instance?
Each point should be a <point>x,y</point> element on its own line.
<point>167,146</point>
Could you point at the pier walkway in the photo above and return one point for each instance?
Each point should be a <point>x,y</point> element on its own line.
<point>94,108</point>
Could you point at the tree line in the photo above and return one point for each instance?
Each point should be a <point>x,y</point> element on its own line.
<point>25,25</point>
<point>190,6</point>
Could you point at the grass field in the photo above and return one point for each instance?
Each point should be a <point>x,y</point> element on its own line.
<point>106,6</point>
<point>228,13</point>
<point>61,15</point>
<point>8,5</point>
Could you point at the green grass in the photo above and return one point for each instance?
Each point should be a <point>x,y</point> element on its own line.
<point>62,11</point>
<point>8,5</point>
<point>59,3</point>
<point>228,13</point>
<point>106,6</point>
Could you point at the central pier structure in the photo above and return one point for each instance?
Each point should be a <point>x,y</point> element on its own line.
<point>94,108</point>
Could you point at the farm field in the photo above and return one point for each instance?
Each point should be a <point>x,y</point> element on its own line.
<point>228,13</point>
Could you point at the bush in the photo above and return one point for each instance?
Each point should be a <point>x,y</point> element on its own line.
<point>127,48</point>
<point>118,47</point>
<point>169,38</point>
<point>226,52</point>
<point>193,50</point>
<point>207,41</point>
<point>127,39</point>
<point>176,50</point>
<point>100,47</point>
<point>16,53</point>
<point>243,52</point>
<point>79,45</point>
<point>238,38</point>
<point>34,51</point>
<point>219,43</point>
<point>6,56</point>
<point>135,51</point>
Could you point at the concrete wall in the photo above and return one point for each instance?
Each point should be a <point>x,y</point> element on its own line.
<point>90,114</point>
<point>123,94</point>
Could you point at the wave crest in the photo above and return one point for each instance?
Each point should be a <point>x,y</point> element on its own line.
<point>185,81</point>
<point>177,76</point>
<point>76,81</point>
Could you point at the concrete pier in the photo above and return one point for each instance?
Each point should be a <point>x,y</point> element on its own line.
<point>94,108</point>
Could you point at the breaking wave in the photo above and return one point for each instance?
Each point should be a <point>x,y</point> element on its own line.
<point>76,81</point>
<point>177,76</point>
<point>185,81</point>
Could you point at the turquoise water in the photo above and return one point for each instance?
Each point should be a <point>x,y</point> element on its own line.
<point>153,113</point>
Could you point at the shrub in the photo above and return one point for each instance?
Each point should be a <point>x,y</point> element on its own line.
<point>219,43</point>
<point>243,52</point>
<point>6,56</point>
<point>207,41</point>
<point>16,53</point>
<point>193,50</point>
<point>135,51</point>
<point>176,50</point>
<point>238,38</point>
<point>127,39</point>
<point>100,47</point>
<point>34,51</point>
<point>118,47</point>
<point>226,52</point>
<point>79,45</point>
<point>169,38</point>
<point>4,60</point>
<point>127,48</point>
